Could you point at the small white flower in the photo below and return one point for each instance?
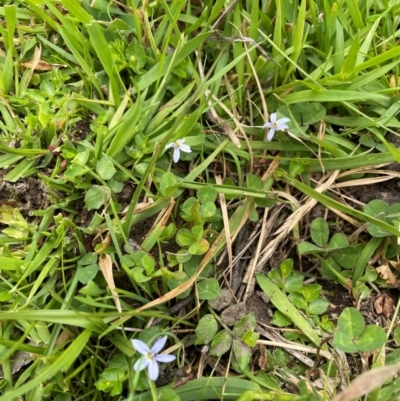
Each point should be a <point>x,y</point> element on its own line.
<point>275,125</point>
<point>151,357</point>
<point>178,146</point>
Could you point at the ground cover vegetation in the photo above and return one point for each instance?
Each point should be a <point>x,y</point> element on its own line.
<point>199,200</point>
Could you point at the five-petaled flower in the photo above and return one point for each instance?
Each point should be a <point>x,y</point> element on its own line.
<point>151,357</point>
<point>275,125</point>
<point>178,146</point>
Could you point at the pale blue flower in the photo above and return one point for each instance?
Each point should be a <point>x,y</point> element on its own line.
<point>151,357</point>
<point>178,146</point>
<point>275,125</point>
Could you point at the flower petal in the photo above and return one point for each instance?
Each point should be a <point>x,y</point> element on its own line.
<point>140,347</point>
<point>164,358</point>
<point>177,154</point>
<point>159,345</point>
<point>141,364</point>
<point>272,117</point>
<point>283,120</point>
<point>271,134</point>
<point>153,370</point>
<point>170,145</point>
<point>281,127</point>
<point>185,148</point>
<point>267,125</point>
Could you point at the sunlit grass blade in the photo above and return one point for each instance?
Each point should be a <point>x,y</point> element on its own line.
<point>298,34</point>
<point>282,303</point>
<point>101,47</point>
<point>63,362</point>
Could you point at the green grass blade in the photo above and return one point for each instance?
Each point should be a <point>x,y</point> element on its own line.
<point>365,256</point>
<point>62,363</point>
<point>298,34</point>
<point>355,13</point>
<point>333,96</point>
<point>282,303</point>
<point>103,52</point>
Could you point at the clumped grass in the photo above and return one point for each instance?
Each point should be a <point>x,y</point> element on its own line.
<point>140,198</point>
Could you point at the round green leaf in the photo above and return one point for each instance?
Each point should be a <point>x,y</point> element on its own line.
<point>168,184</point>
<point>148,263</point>
<point>286,267</point>
<point>293,282</point>
<point>183,255</point>
<point>310,292</point>
<point>394,213</point>
<point>247,322</point>
<point>280,320</point>
<point>305,248</point>
<point>250,338</point>
<point>197,232</point>
<point>347,257</point>
<point>76,170</point>
<point>372,338</point>
<point>184,237</point>
<point>254,181</point>
<point>88,259</point>
<point>199,247</point>
<point>91,289</point>
<point>378,209</point>
<point>105,168</point>
<point>297,300</point>
<point>192,265</point>
<point>221,343</point>
<point>396,335</point>
<point>318,306</point>
<point>207,194</point>
<point>179,279</point>
<point>319,231</point>
<point>338,240</point>
<point>242,353</point>
<point>87,273</point>
<point>351,323</point>
<point>96,197</point>
<point>208,289</point>
<point>167,394</point>
<point>206,329</point>
<point>138,275</point>
<point>115,185</point>
<point>208,209</point>
<point>343,342</point>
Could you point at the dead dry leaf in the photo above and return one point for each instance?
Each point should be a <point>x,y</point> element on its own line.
<point>368,382</point>
<point>105,264</point>
<point>40,65</point>
<point>386,274</point>
<point>384,305</point>
<point>395,264</point>
<point>140,207</point>
<point>63,337</point>
<point>104,244</point>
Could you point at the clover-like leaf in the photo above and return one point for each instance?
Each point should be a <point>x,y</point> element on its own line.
<point>372,338</point>
<point>351,323</point>
<point>208,288</point>
<point>242,353</point>
<point>319,231</point>
<point>221,343</point>
<point>206,329</point>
